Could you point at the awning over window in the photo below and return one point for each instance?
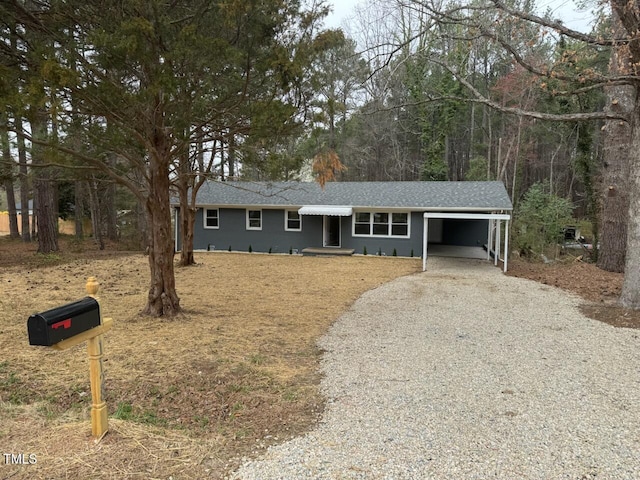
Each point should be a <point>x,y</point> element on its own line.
<point>326,210</point>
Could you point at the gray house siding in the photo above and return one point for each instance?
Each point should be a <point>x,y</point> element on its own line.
<point>404,246</point>
<point>233,232</point>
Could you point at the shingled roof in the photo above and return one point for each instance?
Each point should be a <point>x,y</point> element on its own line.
<point>434,196</point>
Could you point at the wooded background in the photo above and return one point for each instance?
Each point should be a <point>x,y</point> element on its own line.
<point>109,108</point>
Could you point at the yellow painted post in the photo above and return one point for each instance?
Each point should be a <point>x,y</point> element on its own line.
<point>99,418</point>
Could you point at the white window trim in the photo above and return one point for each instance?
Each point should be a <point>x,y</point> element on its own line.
<point>371,214</point>
<point>204,218</point>
<point>286,221</point>
<point>247,217</point>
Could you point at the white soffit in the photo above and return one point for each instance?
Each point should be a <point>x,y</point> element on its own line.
<point>326,210</point>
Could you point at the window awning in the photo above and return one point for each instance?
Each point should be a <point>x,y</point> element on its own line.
<point>326,210</point>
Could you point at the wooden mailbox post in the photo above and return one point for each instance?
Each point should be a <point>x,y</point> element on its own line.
<point>84,318</point>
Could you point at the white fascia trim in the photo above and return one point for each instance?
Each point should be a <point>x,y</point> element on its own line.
<point>462,210</point>
<point>468,216</point>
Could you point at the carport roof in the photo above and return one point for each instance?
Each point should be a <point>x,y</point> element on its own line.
<point>434,196</point>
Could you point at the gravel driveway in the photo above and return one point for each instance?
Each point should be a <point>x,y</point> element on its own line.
<point>462,373</point>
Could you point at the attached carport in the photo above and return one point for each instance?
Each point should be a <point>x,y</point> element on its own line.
<point>494,241</point>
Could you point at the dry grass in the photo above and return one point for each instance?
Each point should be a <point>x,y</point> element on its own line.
<point>188,397</point>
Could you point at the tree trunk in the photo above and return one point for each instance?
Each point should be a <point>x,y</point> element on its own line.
<point>34,219</point>
<point>163,299</point>
<point>44,187</point>
<point>11,205</point>
<point>187,223</point>
<point>94,206</point>
<point>231,158</point>
<point>188,186</point>
<point>79,210</point>
<point>7,171</point>
<point>25,227</point>
<point>110,212</point>
<point>186,217</point>
<point>615,175</point>
<point>45,213</point>
<point>47,226</point>
<point>630,296</point>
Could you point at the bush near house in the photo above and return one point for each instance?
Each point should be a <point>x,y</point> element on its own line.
<point>539,220</point>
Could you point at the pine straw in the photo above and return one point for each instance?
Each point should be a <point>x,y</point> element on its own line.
<point>187,397</point>
<point>130,450</point>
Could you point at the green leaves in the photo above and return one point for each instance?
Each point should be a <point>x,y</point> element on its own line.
<point>539,219</point>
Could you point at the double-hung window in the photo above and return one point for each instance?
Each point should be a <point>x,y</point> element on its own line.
<point>381,224</point>
<point>362,223</point>
<point>211,218</point>
<point>400,224</point>
<point>292,221</point>
<point>254,219</point>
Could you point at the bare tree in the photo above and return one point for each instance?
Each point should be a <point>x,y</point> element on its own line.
<point>515,31</point>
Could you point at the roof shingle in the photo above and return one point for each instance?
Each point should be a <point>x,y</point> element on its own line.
<point>486,196</point>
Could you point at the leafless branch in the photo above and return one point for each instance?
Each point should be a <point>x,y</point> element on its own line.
<point>567,117</point>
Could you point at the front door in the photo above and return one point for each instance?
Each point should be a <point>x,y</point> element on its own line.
<point>331,231</point>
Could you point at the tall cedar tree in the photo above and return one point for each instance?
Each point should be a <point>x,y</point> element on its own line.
<point>148,80</point>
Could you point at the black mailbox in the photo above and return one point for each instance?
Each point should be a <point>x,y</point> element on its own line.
<point>50,327</point>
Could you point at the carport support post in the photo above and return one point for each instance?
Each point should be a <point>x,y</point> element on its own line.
<point>425,239</point>
<point>489,238</point>
<point>506,245</point>
<point>497,247</point>
<point>99,418</point>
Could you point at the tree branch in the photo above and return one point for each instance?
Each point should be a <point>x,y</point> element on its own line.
<point>567,117</point>
<point>558,27</point>
<point>98,164</point>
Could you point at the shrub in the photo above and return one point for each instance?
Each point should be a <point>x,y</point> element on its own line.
<point>539,220</point>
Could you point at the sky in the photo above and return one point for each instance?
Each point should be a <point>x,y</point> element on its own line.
<point>566,10</point>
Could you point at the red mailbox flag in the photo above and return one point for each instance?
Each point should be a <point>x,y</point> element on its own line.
<point>64,324</point>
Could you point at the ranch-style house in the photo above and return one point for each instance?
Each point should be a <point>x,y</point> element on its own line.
<point>383,218</point>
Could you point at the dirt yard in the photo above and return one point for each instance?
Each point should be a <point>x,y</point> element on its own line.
<point>600,289</point>
<point>188,398</point>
